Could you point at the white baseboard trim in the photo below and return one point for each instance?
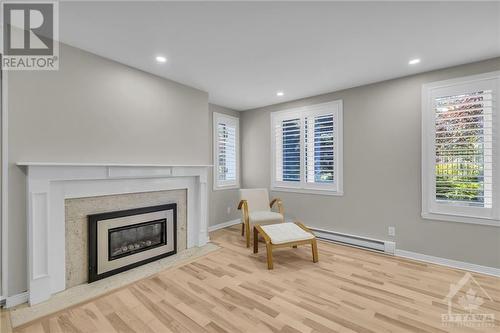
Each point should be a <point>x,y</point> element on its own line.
<point>223,225</point>
<point>390,249</point>
<point>14,300</point>
<point>449,262</point>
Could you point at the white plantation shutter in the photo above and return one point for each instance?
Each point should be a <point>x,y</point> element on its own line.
<point>460,175</point>
<point>320,149</point>
<point>226,151</point>
<point>287,135</point>
<point>464,148</point>
<point>307,148</point>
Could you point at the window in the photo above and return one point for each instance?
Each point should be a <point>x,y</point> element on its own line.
<point>307,149</point>
<point>460,150</point>
<point>226,151</point>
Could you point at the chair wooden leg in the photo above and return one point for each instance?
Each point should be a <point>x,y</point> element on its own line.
<point>243,229</point>
<point>269,249</point>
<point>247,231</point>
<point>255,240</point>
<point>314,247</point>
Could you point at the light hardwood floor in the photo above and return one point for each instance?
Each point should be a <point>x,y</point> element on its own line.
<point>231,290</point>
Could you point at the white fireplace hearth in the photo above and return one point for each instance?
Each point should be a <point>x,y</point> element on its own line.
<point>50,184</point>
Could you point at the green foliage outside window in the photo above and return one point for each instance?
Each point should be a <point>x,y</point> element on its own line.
<point>460,182</point>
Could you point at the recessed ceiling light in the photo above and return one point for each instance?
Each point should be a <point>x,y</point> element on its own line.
<point>280,93</point>
<point>414,61</point>
<point>161,59</point>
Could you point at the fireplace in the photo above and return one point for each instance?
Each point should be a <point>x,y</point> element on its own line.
<point>50,184</point>
<point>125,239</point>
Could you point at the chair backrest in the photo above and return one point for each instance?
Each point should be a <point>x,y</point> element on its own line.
<point>257,198</point>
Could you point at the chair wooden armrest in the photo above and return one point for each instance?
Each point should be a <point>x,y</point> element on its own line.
<point>243,204</point>
<point>271,204</point>
<point>245,228</point>
<point>279,203</point>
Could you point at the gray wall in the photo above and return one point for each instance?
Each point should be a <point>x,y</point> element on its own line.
<point>96,110</point>
<point>382,181</point>
<point>221,200</point>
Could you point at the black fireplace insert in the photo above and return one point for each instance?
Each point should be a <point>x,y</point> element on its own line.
<point>130,239</point>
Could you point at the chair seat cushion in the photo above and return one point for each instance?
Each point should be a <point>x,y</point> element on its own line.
<point>286,233</point>
<point>263,217</point>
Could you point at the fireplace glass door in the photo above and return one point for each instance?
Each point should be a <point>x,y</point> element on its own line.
<point>135,238</point>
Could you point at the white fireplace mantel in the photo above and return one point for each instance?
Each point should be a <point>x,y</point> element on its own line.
<point>49,184</point>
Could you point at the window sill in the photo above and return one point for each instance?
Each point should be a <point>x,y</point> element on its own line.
<point>228,187</point>
<point>460,219</point>
<point>307,191</point>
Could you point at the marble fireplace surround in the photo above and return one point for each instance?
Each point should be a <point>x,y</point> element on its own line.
<point>50,184</point>
<point>76,217</point>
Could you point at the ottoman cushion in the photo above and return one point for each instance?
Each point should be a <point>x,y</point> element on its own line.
<point>286,232</point>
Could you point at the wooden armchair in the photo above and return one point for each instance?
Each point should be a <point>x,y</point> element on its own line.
<point>256,209</point>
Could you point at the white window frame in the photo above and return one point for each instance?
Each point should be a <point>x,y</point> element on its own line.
<point>227,184</point>
<point>431,208</point>
<point>337,187</point>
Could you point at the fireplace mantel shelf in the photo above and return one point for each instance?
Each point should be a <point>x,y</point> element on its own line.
<point>69,164</point>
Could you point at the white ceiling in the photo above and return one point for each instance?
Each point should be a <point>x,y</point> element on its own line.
<point>242,53</point>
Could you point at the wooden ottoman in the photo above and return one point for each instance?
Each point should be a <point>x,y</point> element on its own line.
<point>284,235</point>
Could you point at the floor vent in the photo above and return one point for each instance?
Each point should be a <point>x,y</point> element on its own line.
<point>382,246</point>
